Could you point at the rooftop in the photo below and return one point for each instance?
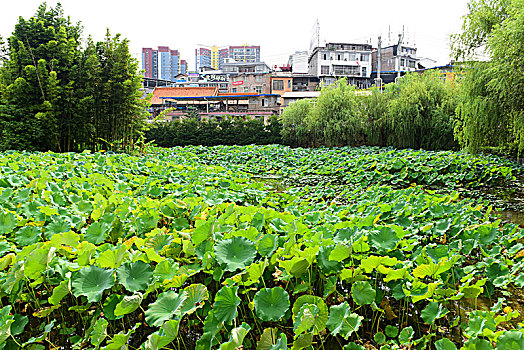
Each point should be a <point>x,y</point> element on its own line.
<point>160,93</point>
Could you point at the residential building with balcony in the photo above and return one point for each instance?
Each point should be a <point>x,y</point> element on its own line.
<point>337,60</point>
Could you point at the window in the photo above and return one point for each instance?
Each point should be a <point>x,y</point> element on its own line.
<point>324,70</point>
<point>364,57</point>
<point>278,84</point>
<point>325,57</point>
<point>289,84</point>
<point>346,70</point>
<point>339,57</point>
<point>234,90</point>
<point>246,89</point>
<point>352,56</point>
<point>402,62</point>
<point>264,103</point>
<point>258,78</point>
<point>258,89</point>
<point>364,71</point>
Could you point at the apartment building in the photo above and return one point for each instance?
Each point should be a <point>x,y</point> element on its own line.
<point>337,60</point>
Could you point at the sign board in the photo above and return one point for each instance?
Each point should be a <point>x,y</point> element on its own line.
<point>240,82</point>
<point>216,77</point>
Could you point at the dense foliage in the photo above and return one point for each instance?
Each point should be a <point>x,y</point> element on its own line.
<point>57,95</point>
<point>263,247</point>
<point>418,112</point>
<point>491,112</point>
<point>228,131</point>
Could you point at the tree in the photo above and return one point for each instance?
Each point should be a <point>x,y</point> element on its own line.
<point>483,17</point>
<point>491,112</point>
<point>55,95</point>
<point>421,114</point>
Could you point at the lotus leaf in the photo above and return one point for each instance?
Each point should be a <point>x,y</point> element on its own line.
<point>128,304</point>
<point>445,344</point>
<point>342,321</point>
<point>235,253</point>
<point>363,293</point>
<point>271,303</point>
<point>237,337</point>
<point>91,282</point>
<point>196,295</point>
<point>167,305</point>
<point>135,276</point>
<point>225,305</point>
<point>323,314</point>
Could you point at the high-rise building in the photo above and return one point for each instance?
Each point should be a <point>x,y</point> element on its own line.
<point>245,53</point>
<point>163,63</point>
<point>214,56</point>
<point>183,66</point>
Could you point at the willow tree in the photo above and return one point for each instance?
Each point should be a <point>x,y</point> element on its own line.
<point>338,113</point>
<point>422,112</point>
<point>491,112</point>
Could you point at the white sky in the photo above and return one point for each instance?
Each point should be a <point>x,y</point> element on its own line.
<point>279,27</point>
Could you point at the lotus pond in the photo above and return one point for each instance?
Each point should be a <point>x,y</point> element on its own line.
<point>258,247</point>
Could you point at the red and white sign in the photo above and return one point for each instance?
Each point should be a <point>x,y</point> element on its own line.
<point>240,82</point>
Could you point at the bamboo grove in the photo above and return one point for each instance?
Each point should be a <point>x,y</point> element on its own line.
<point>61,93</point>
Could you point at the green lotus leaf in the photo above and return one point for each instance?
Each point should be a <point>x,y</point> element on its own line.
<point>166,270</point>
<point>167,305</point>
<point>303,341</point>
<point>83,207</point>
<point>203,232</point>
<point>363,293</point>
<point>271,303</point>
<point>59,225</point>
<point>59,292</point>
<point>510,340</point>
<point>405,336</point>
<point>384,239</point>
<point>91,282</point>
<point>96,233</point>
<point>99,332</point>
<point>445,344</point>
<point>267,339</point>
<point>18,326</point>
<point>342,321</point>
<point>196,295</point>
<point>281,343</point>
<point>225,305</point>
<point>391,331</point>
<point>305,319</point>
<point>433,311</point>
<point>109,306</point>
<point>6,319</point>
<point>27,235</point>
<point>267,244</point>
<point>235,253</point>
<point>258,221</point>
<point>128,304</point>
<point>379,338</point>
<point>323,314</point>
<point>477,344</point>
<point>236,338</point>
<point>164,336</point>
<point>135,276</point>
<point>7,223</point>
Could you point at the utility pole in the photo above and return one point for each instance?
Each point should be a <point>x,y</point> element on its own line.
<point>399,51</point>
<point>379,63</point>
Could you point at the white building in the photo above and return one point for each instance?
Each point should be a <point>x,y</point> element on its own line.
<point>299,62</point>
<point>337,60</point>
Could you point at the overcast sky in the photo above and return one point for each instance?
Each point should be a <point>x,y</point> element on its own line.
<point>279,27</point>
